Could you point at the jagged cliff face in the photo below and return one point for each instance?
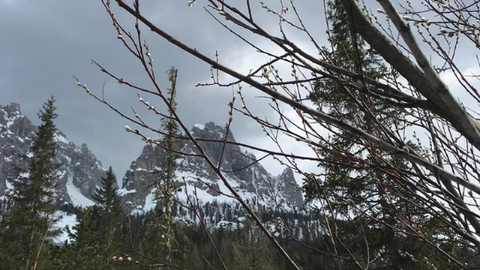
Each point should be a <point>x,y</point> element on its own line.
<point>79,174</point>
<point>259,188</point>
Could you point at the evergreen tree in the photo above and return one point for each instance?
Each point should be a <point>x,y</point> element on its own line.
<point>27,227</point>
<point>171,129</point>
<point>107,200</point>
<point>161,228</point>
<point>94,237</point>
<point>109,209</point>
<point>366,189</point>
<point>87,250</point>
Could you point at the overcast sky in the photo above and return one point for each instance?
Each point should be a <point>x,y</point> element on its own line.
<point>45,43</point>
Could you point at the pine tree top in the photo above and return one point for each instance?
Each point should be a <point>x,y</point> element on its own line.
<point>106,197</point>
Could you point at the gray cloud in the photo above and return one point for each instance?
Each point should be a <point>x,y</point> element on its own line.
<point>45,43</point>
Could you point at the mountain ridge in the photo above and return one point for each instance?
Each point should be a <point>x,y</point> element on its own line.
<point>80,174</point>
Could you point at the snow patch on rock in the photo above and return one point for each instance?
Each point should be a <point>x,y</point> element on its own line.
<point>76,195</point>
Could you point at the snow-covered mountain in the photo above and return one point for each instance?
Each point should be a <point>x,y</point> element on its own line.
<point>79,174</point>
<point>197,180</point>
<point>274,198</point>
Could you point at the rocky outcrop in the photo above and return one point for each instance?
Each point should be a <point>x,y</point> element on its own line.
<point>289,187</point>
<point>16,135</point>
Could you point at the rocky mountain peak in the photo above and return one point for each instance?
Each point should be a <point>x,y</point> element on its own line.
<point>290,187</point>
<point>241,168</point>
<point>12,123</point>
<point>10,110</point>
<point>210,131</point>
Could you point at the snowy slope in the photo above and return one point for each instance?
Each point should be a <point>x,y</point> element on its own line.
<point>75,195</point>
<point>65,220</point>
